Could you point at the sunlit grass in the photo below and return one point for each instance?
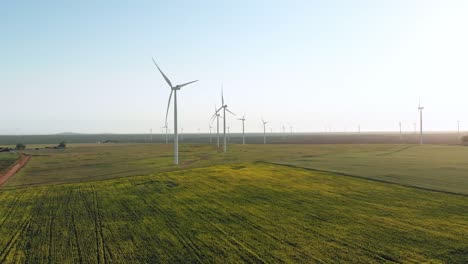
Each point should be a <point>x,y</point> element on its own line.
<point>254,212</point>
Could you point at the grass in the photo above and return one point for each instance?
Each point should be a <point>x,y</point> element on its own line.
<point>433,167</point>
<point>7,159</point>
<point>244,212</point>
<point>127,203</point>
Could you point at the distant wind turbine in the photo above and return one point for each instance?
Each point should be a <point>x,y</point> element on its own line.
<point>420,108</point>
<point>210,134</point>
<point>225,108</point>
<point>458,127</point>
<point>174,90</point>
<point>243,128</point>
<point>401,136</point>
<point>264,130</point>
<point>216,116</point>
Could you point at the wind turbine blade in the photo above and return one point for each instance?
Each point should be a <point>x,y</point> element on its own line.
<point>222,95</point>
<point>165,77</point>
<point>230,112</point>
<point>168,104</point>
<point>216,113</point>
<point>213,118</point>
<point>185,84</point>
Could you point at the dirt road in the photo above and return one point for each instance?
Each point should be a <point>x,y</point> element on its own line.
<point>13,169</point>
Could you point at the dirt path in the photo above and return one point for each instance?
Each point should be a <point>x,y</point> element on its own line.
<point>14,169</point>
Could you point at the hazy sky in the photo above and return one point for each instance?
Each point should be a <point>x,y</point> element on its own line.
<point>84,66</point>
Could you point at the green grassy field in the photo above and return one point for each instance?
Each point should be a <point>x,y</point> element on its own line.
<point>434,167</point>
<point>251,212</point>
<point>127,203</point>
<point>7,159</point>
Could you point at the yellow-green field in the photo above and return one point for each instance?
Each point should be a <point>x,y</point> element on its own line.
<point>6,160</point>
<point>261,204</point>
<point>433,167</point>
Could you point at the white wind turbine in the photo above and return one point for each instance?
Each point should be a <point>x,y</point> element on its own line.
<point>224,107</point>
<point>216,115</point>
<point>165,128</point>
<point>401,135</point>
<point>420,108</point>
<point>174,90</point>
<point>243,128</point>
<point>210,134</point>
<point>264,130</point>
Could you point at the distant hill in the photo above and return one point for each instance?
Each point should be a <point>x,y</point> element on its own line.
<point>69,134</point>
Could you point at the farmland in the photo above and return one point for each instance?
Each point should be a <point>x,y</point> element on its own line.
<point>434,167</point>
<point>254,212</point>
<point>102,203</point>
<point>6,160</point>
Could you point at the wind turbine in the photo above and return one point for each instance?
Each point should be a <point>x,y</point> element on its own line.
<point>210,134</point>
<point>174,90</point>
<point>224,107</point>
<point>264,130</point>
<point>243,128</point>
<point>217,116</point>
<point>165,127</point>
<point>151,135</point>
<point>420,108</point>
<point>458,128</point>
<point>401,136</point>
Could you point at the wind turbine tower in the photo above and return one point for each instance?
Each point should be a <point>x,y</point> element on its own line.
<point>174,90</point>
<point>225,108</point>
<point>264,130</point>
<point>243,129</point>
<point>401,136</point>
<point>420,108</point>
<point>210,134</point>
<point>217,116</point>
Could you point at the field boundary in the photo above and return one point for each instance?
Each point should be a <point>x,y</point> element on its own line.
<point>362,177</point>
<point>12,170</point>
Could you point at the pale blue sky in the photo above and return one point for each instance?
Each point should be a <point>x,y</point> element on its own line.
<point>83,66</point>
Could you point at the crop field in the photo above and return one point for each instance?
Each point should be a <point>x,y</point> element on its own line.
<point>7,159</point>
<point>433,167</point>
<point>252,212</point>
<point>408,137</point>
<point>127,203</point>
